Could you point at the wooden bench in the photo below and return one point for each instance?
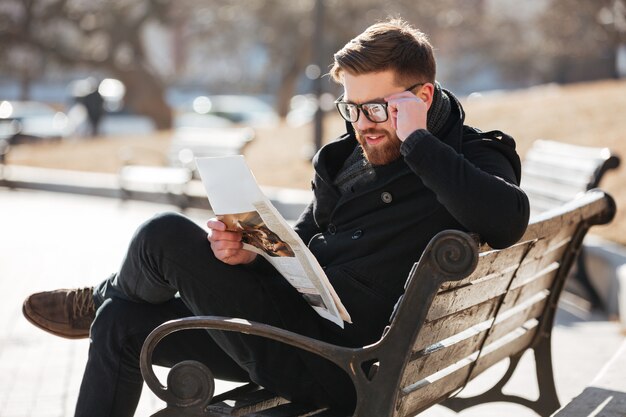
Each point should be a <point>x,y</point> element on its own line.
<point>554,173</point>
<point>178,165</point>
<point>606,395</point>
<point>465,308</point>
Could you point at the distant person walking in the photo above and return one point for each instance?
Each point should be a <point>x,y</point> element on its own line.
<point>94,103</point>
<point>86,94</point>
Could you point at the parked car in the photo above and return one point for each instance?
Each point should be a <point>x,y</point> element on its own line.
<point>31,121</point>
<point>240,109</point>
<point>198,120</point>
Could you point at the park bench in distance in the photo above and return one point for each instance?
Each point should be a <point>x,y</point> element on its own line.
<point>466,307</point>
<point>4,150</point>
<point>554,173</point>
<point>178,167</point>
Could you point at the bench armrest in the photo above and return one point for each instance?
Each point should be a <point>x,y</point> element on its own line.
<point>200,394</point>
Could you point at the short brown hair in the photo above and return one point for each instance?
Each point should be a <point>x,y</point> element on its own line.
<point>390,45</point>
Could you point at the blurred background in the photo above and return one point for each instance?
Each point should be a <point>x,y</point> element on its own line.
<point>165,54</point>
<point>94,91</point>
<point>81,80</point>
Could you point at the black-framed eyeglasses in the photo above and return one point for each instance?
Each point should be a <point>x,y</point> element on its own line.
<point>375,112</point>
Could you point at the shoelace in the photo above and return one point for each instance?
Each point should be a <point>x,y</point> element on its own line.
<point>83,302</point>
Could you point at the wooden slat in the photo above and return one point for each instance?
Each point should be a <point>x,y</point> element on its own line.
<point>448,351</point>
<point>489,280</point>
<point>431,389</point>
<point>553,223</point>
<point>543,280</point>
<point>515,342</point>
<point>445,327</point>
<point>529,270</point>
<point>513,318</point>
<point>445,353</point>
<point>462,298</point>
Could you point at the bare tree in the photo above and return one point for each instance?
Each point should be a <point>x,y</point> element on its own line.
<point>103,35</point>
<point>578,31</point>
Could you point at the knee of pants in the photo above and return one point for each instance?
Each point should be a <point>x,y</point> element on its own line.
<point>165,231</point>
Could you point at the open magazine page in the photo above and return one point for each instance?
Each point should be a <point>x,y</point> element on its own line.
<point>237,200</point>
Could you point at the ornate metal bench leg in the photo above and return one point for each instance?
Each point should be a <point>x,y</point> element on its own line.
<point>548,401</point>
<point>545,405</point>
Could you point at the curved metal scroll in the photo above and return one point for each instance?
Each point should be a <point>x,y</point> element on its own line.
<point>454,254</point>
<point>190,384</point>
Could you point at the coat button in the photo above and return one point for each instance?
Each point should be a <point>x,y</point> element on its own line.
<point>386,197</point>
<point>357,234</point>
<point>332,229</point>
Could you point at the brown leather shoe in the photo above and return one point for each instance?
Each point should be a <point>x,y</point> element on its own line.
<point>66,313</point>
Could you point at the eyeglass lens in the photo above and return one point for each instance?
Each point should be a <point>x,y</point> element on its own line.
<point>375,112</point>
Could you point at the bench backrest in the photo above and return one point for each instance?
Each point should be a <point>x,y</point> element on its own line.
<point>189,142</point>
<point>556,172</point>
<point>467,307</point>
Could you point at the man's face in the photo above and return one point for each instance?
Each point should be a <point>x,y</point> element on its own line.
<point>379,141</point>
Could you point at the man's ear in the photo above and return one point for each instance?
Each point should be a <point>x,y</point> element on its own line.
<point>426,93</point>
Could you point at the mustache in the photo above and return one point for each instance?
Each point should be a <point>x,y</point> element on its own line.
<point>372,131</point>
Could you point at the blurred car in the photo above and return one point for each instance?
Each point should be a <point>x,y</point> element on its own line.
<point>197,120</point>
<point>31,121</point>
<point>125,123</point>
<point>239,109</point>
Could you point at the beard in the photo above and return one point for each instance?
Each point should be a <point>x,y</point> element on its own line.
<point>382,153</point>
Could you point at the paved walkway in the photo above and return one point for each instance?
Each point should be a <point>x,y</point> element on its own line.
<point>51,240</point>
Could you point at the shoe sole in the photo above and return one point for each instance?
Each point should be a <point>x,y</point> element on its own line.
<point>41,326</point>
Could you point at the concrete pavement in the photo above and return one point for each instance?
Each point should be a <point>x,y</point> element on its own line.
<point>52,240</point>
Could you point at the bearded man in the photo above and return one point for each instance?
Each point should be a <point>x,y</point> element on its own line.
<point>406,169</point>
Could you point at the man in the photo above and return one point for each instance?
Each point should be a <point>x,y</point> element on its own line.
<point>406,169</point>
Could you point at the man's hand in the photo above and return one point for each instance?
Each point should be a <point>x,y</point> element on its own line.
<point>227,245</point>
<point>407,112</point>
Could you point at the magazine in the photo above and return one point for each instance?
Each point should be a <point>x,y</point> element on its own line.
<point>237,201</point>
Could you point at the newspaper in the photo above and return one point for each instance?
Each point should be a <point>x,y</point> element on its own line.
<point>238,202</point>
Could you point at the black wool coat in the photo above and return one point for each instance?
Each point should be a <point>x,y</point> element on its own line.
<point>368,240</point>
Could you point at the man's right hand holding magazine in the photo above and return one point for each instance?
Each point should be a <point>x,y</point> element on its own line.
<point>227,245</point>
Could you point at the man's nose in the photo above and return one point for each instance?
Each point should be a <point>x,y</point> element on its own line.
<point>363,123</point>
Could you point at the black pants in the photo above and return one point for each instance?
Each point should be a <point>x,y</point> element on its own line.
<point>170,272</point>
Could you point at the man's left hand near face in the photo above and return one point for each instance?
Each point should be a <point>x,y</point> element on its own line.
<point>407,112</point>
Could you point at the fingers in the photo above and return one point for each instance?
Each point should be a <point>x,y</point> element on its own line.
<point>218,232</point>
<point>225,244</point>
<point>215,224</point>
<point>408,113</point>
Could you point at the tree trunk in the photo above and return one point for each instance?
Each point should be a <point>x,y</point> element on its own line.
<point>145,94</point>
